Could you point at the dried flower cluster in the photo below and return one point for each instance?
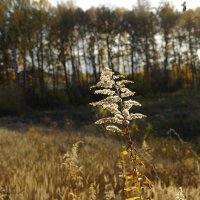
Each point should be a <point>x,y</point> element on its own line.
<point>118,103</point>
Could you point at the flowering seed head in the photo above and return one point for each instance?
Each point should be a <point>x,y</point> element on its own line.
<point>117,100</point>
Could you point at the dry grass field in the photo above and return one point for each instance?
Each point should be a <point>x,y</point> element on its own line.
<point>33,165</point>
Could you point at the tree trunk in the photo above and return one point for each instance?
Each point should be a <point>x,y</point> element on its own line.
<point>33,69</point>
<point>165,62</point>
<point>63,60</point>
<point>73,64</point>
<point>15,64</point>
<point>25,70</point>
<point>110,59</point>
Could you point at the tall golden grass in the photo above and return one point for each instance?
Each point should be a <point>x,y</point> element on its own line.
<point>31,166</point>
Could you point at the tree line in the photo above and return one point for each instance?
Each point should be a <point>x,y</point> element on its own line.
<point>46,49</point>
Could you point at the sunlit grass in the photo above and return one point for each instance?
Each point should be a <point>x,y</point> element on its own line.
<point>31,165</point>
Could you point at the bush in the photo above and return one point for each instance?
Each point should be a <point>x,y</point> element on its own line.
<point>11,99</point>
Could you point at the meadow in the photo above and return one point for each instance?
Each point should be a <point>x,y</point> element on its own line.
<point>45,158</point>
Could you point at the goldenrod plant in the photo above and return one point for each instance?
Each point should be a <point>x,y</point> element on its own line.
<point>74,177</point>
<point>117,102</point>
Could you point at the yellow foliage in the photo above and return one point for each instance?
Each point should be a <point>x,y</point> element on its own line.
<point>130,177</point>
<point>133,198</point>
<point>163,149</point>
<point>131,188</point>
<point>187,151</point>
<point>124,153</point>
<point>12,76</point>
<point>189,163</point>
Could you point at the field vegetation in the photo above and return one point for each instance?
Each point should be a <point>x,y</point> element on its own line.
<point>32,165</point>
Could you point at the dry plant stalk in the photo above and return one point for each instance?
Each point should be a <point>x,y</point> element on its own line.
<point>118,103</point>
<point>74,177</point>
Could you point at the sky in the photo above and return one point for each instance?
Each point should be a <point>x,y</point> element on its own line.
<point>85,4</point>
